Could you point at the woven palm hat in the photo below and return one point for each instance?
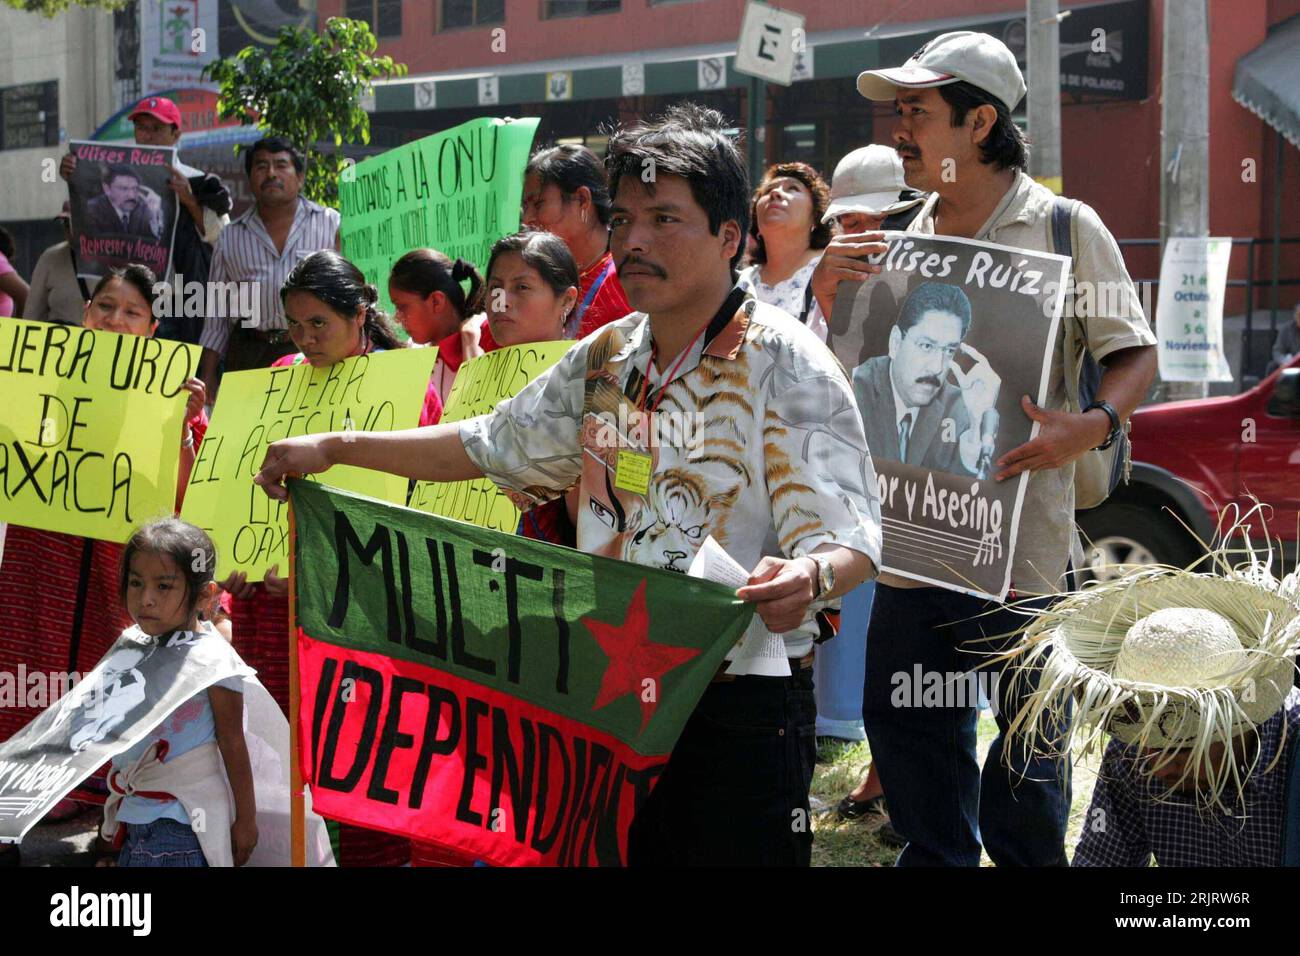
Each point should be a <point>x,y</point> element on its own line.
<point>1163,659</point>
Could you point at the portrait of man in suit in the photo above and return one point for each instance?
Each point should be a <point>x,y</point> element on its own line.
<point>919,404</point>
<point>126,207</point>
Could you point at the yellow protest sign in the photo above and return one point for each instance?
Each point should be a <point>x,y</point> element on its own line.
<point>90,433</point>
<point>379,392</point>
<point>479,385</point>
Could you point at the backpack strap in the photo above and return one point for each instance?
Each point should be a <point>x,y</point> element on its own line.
<point>1064,227</point>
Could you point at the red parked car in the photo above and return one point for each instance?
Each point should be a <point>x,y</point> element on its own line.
<point>1192,458</point>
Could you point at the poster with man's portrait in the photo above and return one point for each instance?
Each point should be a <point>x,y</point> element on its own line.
<point>940,347</point>
<point>122,208</point>
<point>137,684</point>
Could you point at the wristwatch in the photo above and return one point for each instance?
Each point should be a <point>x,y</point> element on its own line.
<point>1116,426</point>
<point>825,575</point>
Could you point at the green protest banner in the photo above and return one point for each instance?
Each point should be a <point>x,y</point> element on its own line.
<point>379,392</point>
<point>505,698</point>
<point>480,384</point>
<point>91,431</point>
<point>457,191</point>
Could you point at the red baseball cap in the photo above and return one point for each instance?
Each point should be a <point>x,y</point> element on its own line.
<point>159,107</point>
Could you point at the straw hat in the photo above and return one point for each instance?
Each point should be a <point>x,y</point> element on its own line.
<point>1163,659</point>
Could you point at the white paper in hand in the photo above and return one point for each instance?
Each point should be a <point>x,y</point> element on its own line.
<point>760,651</point>
<point>713,563</point>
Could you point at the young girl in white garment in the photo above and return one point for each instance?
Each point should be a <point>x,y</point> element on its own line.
<point>167,576</point>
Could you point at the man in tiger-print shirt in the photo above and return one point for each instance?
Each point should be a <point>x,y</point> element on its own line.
<point>755,439</point>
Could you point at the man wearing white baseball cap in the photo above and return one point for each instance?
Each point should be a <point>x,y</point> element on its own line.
<point>867,189</point>
<point>957,140</point>
<point>870,180</point>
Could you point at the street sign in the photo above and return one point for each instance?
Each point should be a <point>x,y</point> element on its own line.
<point>769,39</point>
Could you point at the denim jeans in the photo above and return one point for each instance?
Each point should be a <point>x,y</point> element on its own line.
<point>838,669</point>
<point>735,790</point>
<point>161,843</point>
<point>925,748</point>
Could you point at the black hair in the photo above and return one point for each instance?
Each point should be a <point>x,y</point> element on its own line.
<point>188,546</point>
<point>570,167</point>
<point>140,276</point>
<point>274,144</point>
<point>113,170</point>
<point>343,287</point>
<point>934,297</point>
<point>7,246</point>
<point>543,251</point>
<point>687,141</point>
<point>423,272</point>
<point>1005,146</point>
<point>820,235</point>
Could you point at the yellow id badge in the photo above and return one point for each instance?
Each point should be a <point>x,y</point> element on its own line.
<point>632,471</point>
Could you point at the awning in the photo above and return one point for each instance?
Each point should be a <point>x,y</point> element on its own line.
<point>1267,80</point>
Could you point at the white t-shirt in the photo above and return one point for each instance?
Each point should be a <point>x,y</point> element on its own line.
<point>787,295</point>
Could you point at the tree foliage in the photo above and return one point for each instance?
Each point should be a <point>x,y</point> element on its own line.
<point>52,8</point>
<point>308,87</point>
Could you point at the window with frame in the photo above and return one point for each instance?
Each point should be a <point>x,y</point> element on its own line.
<point>457,14</point>
<point>384,16</point>
<point>554,9</point>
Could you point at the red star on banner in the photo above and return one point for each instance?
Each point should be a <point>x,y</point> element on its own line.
<point>633,657</point>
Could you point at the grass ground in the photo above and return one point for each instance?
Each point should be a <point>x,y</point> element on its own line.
<point>854,843</point>
<point>835,842</point>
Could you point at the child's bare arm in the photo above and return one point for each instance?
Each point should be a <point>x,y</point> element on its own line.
<point>228,714</point>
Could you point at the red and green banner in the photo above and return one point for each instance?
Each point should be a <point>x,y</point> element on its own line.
<point>500,696</point>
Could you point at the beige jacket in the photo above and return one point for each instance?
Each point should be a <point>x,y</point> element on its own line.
<point>196,778</point>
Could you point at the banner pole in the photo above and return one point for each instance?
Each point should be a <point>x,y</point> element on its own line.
<point>297,811</point>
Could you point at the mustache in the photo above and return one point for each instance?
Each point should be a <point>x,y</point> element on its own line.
<point>929,380</point>
<point>633,260</point>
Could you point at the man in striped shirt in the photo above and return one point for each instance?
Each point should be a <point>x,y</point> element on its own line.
<point>261,248</point>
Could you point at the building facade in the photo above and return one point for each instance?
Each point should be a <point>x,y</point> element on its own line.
<point>582,64</point>
<point>57,79</point>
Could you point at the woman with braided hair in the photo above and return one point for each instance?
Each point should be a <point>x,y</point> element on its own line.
<point>332,316</point>
<point>434,308</point>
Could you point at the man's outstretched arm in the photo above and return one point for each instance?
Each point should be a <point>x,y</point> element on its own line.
<point>435,453</point>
